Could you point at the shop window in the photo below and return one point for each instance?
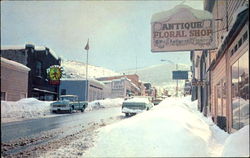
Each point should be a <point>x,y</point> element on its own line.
<point>3,96</point>
<point>240,92</point>
<point>240,42</point>
<point>245,36</point>
<point>232,52</point>
<point>224,98</point>
<point>235,48</point>
<point>219,99</point>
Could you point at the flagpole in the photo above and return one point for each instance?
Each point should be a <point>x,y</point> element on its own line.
<point>87,76</point>
<point>86,90</point>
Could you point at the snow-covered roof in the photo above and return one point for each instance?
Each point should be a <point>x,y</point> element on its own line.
<point>11,47</point>
<point>37,48</point>
<point>165,15</point>
<point>42,48</point>
<point>13,64</point>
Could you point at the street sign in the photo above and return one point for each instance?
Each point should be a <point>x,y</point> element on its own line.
<point>180,75</point>
<point>182,29</point>
<point>199,83</point>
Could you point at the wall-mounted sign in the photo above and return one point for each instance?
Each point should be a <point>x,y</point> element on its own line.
<point>54,74</point>
<point>199,83</point>
<point>182,29</point>
<point>180,75</point>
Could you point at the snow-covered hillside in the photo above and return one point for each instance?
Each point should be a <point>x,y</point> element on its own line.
<point>160,75</point>
<point>76,69</point>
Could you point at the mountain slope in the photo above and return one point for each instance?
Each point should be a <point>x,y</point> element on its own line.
<point>75,69</point>
<point>160,75</point>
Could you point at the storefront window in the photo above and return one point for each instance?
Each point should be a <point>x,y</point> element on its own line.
<point>224,97</point>
<point>219,97</point>
<point>240,92</point>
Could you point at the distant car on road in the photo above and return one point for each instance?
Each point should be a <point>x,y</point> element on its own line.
<point>136,105</point>
<point>68,103</point>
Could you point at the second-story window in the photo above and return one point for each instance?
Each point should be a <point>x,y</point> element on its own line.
<point>38,68</point>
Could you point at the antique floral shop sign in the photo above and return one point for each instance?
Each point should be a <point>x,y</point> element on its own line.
<point>182,29</point>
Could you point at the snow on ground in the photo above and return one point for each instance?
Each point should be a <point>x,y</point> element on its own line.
<point>30,108</point>
<point>24,109</point>
<point>172,128</point>
<point>106,103</point>
<point>237,144</point>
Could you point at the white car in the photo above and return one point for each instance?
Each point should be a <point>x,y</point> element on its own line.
<point>136,105</point>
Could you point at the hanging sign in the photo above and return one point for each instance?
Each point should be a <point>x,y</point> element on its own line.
<point>182,29</point>
<point>54,74</point>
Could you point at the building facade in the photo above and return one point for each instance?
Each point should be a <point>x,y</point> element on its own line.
<point>94,90</point>
<point>14,80</point>
<point>124,85</point>
<point>226,69</point>
<point>38,59</point>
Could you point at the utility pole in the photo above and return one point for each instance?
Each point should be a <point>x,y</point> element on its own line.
<point>136,64</point>
<point>177,82</point>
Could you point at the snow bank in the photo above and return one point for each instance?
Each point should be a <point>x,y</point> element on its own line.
<point>173,128</point>
<point>24,108</point>
<point>237,144</point>
<point>97,104</point>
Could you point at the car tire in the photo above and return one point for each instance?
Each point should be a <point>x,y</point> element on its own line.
<point>70,110</point>
<point>126,114</point>
<point>82,110</point>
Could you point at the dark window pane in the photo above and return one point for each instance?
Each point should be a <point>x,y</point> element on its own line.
<point>240,42</point>
<point>38,68</point>
<point>245,36</point>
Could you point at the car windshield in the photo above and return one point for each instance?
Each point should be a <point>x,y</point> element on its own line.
<point>68,98</point>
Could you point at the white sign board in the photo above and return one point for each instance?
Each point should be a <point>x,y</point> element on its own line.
<point>182,29</point>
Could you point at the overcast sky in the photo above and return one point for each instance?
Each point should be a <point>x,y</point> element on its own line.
<point>118,31</point>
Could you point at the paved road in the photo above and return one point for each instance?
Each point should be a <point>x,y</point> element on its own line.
<point>17,136</point>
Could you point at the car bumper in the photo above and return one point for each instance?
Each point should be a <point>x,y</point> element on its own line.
<point>60,109</point>
<point>132,111</point>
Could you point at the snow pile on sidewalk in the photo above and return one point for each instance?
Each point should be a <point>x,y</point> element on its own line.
<point>24,108</point>
<point>237,144</point>
<point>173,128</point>
<point>106,103</point>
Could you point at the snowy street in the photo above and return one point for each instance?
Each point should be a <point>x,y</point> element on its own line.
<point>25,136</point>
<point>161,78</point>
<point>172,128</point>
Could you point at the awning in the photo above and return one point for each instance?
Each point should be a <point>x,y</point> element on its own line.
<point>45,91</point>
<point>241,20</point>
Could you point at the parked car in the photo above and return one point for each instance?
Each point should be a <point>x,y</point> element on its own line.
<point>68,103</point>
<point>136,105</point>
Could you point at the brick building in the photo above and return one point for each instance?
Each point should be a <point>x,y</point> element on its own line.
<point>38,59</point>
